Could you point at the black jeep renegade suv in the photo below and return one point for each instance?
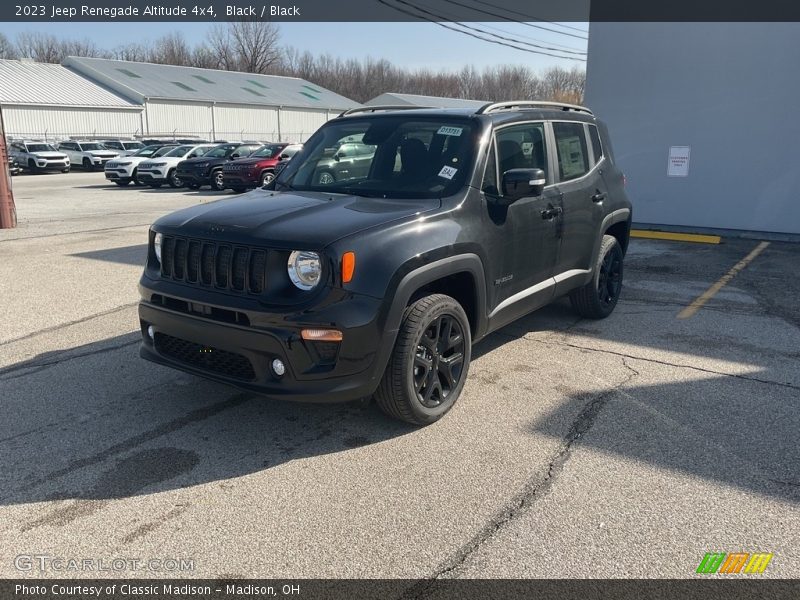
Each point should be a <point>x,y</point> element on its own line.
<point>378,282</point>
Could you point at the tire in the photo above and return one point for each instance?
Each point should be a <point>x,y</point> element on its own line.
<point>325,178</point>
<point>32,168</point>
<point>173,180</point>
<point>267,177</point>
<point>135,178</point>
<point>87,165</point>
<point>122,182</point>
<point>216,181</point>
<point>597,299</point>
<point>416,387</point>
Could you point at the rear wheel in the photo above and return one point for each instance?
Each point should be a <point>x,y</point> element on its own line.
<point>326,178</point>
<point>597,299</point>
<point>135,178</point>
<point>429,363</point>
<point>87,164</point>
<point>173,179</point>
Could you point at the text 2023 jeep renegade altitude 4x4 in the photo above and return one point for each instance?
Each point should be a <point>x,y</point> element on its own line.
<point>326,289</point>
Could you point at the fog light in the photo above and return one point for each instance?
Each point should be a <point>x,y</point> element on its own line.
<point>321,335</point>
<point>278,367</point>
<point>151,333</point>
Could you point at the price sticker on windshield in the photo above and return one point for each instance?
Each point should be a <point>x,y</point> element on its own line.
<point>445,130</point>
<point>448,172</point>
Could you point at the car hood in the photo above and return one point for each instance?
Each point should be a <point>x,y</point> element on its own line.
<point>309,220</point>
<point>48,154</point>
<point>102,153</point>
<point>198,160</point>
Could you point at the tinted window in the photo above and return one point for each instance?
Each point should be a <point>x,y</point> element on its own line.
<point>131,145</point>
<point>385,156</point>
<point>179,151</point>
<point>522,147</point>
<point>113,145</point>
<point>92,146</point>
<point>573,157</point>
<point>268,150</point>
<point>40,148</point>
<point>596,147</point>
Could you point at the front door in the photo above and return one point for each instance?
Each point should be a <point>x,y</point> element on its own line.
<point>524,235</point>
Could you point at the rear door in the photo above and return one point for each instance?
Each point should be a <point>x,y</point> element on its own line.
<point>583,195</point>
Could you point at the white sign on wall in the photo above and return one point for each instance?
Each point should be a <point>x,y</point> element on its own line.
<point>678,164</point>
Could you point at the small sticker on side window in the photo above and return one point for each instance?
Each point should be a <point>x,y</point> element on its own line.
<point>448,172</point>
<point>446,130</point>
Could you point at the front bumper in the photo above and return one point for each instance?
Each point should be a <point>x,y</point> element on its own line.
<point>51,165</point>
<point>205,340</point>
<point>117,174</point>
<point>240,180</point>
<point>151,177</point>
<point>194,177</point>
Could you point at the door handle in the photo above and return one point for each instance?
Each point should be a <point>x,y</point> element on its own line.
<point>599,197</point>
<point>551,212</point>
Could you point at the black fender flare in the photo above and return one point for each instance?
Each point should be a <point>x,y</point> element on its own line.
<point>419,277</point>
<point>612,218</point>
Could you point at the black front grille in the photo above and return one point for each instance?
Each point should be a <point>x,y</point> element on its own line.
<point>228,267</point>
<point>207,358</point>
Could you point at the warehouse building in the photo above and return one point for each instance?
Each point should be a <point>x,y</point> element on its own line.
<point>51,102</point>
<point>394,99</point>
<point>187,101</point>
<point>702,118</point>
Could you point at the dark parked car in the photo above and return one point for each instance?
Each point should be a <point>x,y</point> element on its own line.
<point>259,168</point>
<point>379,284</point>
<point>207,169</point>
<point>13,166</point>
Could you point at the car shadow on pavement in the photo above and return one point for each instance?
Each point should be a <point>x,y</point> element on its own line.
<point>127,255</point>
<point>96,422</point>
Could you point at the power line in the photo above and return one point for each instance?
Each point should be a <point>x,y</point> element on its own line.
<point>492,14</point>
<point>491,41</point>
<point>494,35</point>
<point>516,12</point>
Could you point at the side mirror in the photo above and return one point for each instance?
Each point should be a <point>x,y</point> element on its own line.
<point>521,183</point>
<point>234,156</point>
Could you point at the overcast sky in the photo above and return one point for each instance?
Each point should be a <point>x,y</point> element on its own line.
<point>409,44</point>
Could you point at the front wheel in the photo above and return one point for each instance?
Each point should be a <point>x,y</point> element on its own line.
<point>429,363</point>
<point>173,179</point>
<point>87,165</point>
<point>597,299</point>
<point>217,182</point>
<point>266,178</point>
<point>325,178</point>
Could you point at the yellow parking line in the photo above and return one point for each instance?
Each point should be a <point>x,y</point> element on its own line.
<point>700,301</point>
<point>675,237</point>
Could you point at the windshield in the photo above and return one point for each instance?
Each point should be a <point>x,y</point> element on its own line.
<point>40,148</point>
<point>92,146</point>
<point>146,151</point>
<point>398,156</point>
<point>180,151</point>
<point>268,151</point>
<point>220,152</point>
<point>132,145</point>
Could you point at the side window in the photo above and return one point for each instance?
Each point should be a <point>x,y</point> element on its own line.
<point>489,185</point>
<point>596,147</point>
<point>573,156</point>
<point>522,147</point>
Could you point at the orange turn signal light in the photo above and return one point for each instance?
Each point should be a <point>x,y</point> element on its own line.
<point>348,266</point>
<point>321,335</point>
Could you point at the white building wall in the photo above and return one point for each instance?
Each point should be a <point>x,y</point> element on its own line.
<point>297,125</point>
<point>237,121</point>
<point>63,122</point>
<point>182,118</point>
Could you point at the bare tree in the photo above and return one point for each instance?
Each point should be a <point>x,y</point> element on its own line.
<point>171,49</point>
<point>250,46</point>
<point>7,49</point>
<point>41,47</point>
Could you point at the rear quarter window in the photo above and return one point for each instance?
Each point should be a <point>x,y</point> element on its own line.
<point>597,147</point>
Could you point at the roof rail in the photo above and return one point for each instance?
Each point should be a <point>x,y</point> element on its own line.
<point>510,105</point>
<point>362,109</point>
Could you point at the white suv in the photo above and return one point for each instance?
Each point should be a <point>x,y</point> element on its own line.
<point>125,169</point>
<point>123,147</point>
<point>38,156</point>
<point>157,172</point>
<point>90,155</point>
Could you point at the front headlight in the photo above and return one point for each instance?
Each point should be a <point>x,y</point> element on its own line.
<point>202,165</point>
<point>305,269</point>
<point>157,240</point>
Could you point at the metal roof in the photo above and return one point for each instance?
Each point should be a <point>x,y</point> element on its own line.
<point>141,81</point>
<point>390,98</point>
<point>26,82</point>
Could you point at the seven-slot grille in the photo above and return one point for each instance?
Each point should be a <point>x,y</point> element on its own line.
<point>224,266</point>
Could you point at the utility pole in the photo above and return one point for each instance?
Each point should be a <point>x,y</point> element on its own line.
<point>8,212</point>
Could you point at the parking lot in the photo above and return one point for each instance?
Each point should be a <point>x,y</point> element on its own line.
<point>627,447</point>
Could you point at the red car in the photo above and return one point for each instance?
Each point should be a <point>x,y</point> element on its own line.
<point>258,169</point>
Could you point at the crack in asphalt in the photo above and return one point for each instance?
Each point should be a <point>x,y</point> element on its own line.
<point>667,363</point>
<point>32,367</point>
<point>533,490</point>
<point>110,311</point>
<point>49,235</point>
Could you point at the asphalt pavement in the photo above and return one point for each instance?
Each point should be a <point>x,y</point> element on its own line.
<point>627,447</point>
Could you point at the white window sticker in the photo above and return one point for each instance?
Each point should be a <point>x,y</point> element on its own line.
<point>448,172</point>
<point>445,130</point>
